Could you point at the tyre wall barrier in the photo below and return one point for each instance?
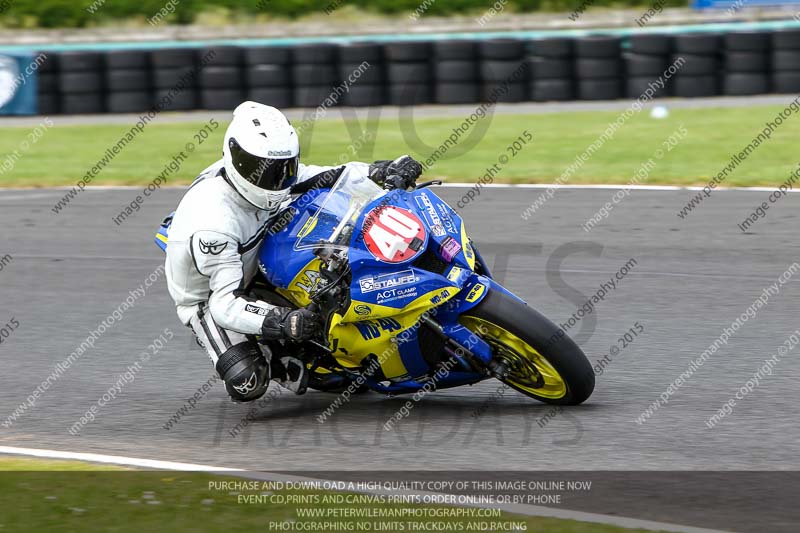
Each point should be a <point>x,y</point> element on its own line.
<point>402,73</point>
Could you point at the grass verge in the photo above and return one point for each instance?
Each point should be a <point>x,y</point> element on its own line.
<point>64,154</point>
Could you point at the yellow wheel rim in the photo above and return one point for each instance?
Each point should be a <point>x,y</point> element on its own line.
<point>529,370</point>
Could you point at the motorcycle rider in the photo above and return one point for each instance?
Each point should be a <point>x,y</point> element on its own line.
<point>214,239</point>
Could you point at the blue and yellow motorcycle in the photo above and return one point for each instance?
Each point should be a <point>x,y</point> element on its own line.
<point>408,301</point>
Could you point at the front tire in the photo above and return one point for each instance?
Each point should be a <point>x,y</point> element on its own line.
<point>540,363</point>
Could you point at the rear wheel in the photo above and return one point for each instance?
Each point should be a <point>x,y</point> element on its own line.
<point>531,353</point>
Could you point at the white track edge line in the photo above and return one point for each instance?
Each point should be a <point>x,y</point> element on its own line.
<point>522,509</point>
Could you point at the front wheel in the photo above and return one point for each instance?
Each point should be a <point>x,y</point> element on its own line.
<point>537,358</point>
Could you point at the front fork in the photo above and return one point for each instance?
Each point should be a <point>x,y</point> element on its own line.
<point>466,346</point>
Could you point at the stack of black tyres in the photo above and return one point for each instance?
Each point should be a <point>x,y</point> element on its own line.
<point>408,72</point>
<point>504,73</point>
<point>695,57</point>
<point>747,59</point>
<point>646,60</point>
<point>221,80</point>
<point>550,69</point>
<point>81,82</point>
<point>47,80</point>
<point>174,68</point>
<point>786,61</point>
<point>315,75</point>
<point>598,67</point>
<point>457,79</point>
<point>361,69</point>
<point>268,75</point>
<point>128,81</point>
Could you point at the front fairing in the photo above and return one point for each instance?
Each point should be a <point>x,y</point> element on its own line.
<point>427,277</point>
<point>408,254</point>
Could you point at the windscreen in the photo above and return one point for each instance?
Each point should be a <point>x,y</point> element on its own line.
<point>334,222</point>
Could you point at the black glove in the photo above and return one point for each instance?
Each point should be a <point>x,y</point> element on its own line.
<point>401,173</point>
<point>287,323</point>
<point>377,171</point>
<point>323,180</point>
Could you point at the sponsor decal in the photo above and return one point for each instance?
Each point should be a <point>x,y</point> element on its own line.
<point>391,295</point>
<point>394,234</point>
<point>449,249</point>
<point>280,153</point>
<point>475,292</point>
<point>307,227</point>
<point>468,252</point>
<point>309,281</point>
<point>213,247</point>
<point>387,281</point>
<point>362,310</point>
<point>441,297</point>
<point>454,274</point>
<point>430,214</point>
<point>372,329</point>
<point>256,310</point>
<point>447,219</point>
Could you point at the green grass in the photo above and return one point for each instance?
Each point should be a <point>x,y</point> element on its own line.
<point>65,153</point>
<point>55,496</point>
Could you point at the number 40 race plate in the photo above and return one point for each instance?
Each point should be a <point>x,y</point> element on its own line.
<point>393,234</point>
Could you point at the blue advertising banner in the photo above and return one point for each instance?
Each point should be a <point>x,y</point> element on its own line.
<point>736,5</point>
<point>18,83</point>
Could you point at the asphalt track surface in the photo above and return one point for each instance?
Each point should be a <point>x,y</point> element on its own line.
<point>693,277</point>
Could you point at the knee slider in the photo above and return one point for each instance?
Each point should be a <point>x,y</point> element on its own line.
<point>244,371</point>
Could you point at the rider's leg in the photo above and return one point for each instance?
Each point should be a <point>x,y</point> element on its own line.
<point>245,366</point>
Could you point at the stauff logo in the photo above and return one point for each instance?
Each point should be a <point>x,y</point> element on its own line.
<point>387,281</point>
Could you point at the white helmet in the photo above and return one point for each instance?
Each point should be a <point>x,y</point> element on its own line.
<point>261,154</point>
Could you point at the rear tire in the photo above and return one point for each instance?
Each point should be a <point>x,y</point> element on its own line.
<point>528,325</point>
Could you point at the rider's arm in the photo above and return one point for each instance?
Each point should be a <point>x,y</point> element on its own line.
<point>311,177</point>
<point>217,256</point>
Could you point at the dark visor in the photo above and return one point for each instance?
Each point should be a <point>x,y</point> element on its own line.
<point>264,173</point>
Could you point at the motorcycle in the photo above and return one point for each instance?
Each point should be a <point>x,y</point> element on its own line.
<point>408,301</point>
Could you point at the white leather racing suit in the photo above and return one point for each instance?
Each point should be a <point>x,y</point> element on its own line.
<point>212,256</point>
